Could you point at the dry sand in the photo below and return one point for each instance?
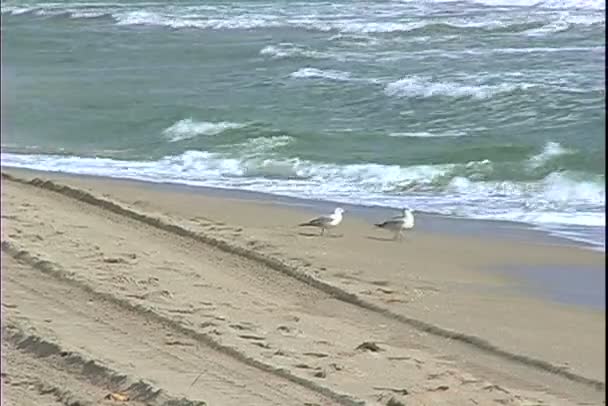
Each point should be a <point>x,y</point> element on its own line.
<point>170,296</point>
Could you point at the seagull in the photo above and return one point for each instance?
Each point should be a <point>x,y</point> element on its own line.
<point>398,224</point>
<point>326,222</point>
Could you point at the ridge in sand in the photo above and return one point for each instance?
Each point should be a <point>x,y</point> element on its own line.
<point>204,308</point>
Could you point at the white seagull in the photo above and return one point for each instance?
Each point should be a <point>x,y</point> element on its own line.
<point>398,224</point>
<point>326,222</point>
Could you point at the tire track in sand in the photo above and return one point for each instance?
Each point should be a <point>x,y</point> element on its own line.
<point>338,293</point>
<point>46,302</point>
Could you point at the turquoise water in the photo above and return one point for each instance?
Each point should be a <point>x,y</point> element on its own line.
<point>482,109</point>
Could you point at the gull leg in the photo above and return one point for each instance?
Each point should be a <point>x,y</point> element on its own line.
<point>397,236</point>
<point>322,230</point>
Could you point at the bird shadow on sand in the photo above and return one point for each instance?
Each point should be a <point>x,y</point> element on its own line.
<point>385,239</point>
<point>305,234</point>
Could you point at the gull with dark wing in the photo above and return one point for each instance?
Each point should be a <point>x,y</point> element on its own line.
<point>326,222</point>
<point>399,224</point>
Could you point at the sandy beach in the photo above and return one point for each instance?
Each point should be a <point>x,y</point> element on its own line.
<point>175,297</point>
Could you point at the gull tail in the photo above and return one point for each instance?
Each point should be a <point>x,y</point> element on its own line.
<point>381,225</point>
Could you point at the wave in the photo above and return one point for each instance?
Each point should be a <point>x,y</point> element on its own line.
<point>16,11</point>
<point>345,26</point>
<point>263,145</point>
<point>379,19</point>
<point>305,11</point>
<point>507,51</point>
<point>555,192</point>
<point>289,50</point>
<point>416,86</point>
<point>550,151</point>
<point>566,22</point>
<point>572,198</point>
<point>549,4</point>
<point>426,134</point>
<point>142,17</point>
<point>89,14</point>
<point>56,10</point>
<point>292,51</point>
<point>188,128</point>
<point>251,21</point>
<point>314,73</point>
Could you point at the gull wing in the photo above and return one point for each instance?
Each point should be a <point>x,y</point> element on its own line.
<point>391,223</point>
<point>319,221</point>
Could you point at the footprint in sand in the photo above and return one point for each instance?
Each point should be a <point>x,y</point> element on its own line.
<point>158,296</point>
<point>256,340</point>
<point>251,337</point>
<point>380,283</point>
<point>122,279</point>
<point>316,354</point>
<point>180,343</point>
<point>415,361</point>
<point>184,311</point>
<point>440,388</point>
<point>121,259</point>
<point>151,281</point>
<point>395,300</point>
<point>289,331</point>
<point>243,325</point>
<point>320,374</point>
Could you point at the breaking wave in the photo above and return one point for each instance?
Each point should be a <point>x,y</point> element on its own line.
<point>314,73</point>
<point>416,86</point>
<point>467,189</point>
<point>188,128</point>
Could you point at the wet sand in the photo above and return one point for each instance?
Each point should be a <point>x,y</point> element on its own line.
<point>172,287</point>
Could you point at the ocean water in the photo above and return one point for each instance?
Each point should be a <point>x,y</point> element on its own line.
<point>488,109</point>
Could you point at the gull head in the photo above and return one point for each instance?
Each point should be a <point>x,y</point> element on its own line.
<point>338,210</point>
<point>407,210</point>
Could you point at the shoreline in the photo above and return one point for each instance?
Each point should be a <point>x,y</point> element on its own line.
<point>434,222</point>
<point>540,284</point>
<point>441,281</point>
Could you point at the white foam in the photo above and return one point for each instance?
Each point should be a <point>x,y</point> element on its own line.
<point>564,189</point>
<point>288,50</point>
<point>354,38</point>
<point>565,21</point>
<point>250,21</point>
<point>345,17</point>
<point>348,18</point>
<point>314,73</point>
<point>87,14</point>
<point>426,134</point>
<point>563,198</point>
<point>17,10</point>
<point>416,86</point>
<point>556,191</point>
<point>144,17</point>
<point>195,165</point>
<point>262,145</point>
<point>551,4</point>
<point>188,128</point>
<point>488,51</point>
<point>575,4</point>
<point>550,151</point>
<point>555,217</point>
<point>369,27</point>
